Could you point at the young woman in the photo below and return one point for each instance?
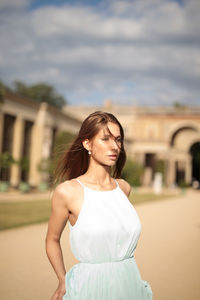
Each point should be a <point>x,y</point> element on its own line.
<point>104,226</point>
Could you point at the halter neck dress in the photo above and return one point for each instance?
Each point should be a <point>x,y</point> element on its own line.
<point>104,239</point>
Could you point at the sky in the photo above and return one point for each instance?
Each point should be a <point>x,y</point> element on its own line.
<point>133,52</point>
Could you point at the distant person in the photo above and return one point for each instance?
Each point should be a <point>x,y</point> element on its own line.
<point>104,226</point>
<point>195,184</point>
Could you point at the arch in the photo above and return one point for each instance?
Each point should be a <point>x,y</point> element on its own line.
<point>179,130</point>
<point>178,125</point>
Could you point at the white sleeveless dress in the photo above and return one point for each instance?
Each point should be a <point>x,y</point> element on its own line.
<point>104,239</point>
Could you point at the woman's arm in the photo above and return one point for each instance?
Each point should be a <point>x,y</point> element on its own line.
<point>57,222</point>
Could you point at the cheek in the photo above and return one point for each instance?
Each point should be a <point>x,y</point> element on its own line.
<point>99,147</point>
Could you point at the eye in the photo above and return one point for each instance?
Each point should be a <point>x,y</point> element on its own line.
<point>119,140</point>
<point>104,139</point>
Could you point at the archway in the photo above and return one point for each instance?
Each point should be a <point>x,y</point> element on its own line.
<point>184,165</point>
<point>188,129</point>
<point>195,153</point>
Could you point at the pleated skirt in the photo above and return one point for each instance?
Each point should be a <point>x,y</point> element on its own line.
<point>116,280</point>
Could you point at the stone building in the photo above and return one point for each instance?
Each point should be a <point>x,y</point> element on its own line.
<point>28,128</point>
<point>170,136</point>
<point>167,136</point>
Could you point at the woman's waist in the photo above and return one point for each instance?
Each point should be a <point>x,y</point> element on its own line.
<point>84,272</point>
<point>106,261</point>
<point>102,265</point>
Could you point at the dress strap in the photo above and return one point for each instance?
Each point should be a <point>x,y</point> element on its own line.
<point>116,182</point>
<point>80,182</point>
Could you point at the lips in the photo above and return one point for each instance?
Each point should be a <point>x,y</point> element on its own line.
<point>113,156</point>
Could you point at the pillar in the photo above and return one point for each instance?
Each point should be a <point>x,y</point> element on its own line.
<point>18,140</point>
<point>37,138</point>
<point>147,176</point>
<point>188,169</point>
<point>171,172</point>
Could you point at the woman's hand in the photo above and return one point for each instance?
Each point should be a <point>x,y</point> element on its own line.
<point>59,292</point>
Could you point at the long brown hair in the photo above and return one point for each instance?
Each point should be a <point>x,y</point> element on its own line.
<point>75,160</point>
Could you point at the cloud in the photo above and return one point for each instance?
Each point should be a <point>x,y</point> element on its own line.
<point>12,5</point>
<point>139,51</point>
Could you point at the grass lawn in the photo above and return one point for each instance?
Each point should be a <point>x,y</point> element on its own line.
<point>136,199</point>
<point>16,214</point>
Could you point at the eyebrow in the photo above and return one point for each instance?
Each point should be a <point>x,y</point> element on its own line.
<point>107,135</point>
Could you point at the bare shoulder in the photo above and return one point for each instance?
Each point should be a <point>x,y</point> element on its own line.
<point>66,191</point>
<point>124,185</point>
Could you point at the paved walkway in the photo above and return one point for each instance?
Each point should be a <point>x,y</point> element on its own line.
<point>16,196</point>
<point>167,253</point>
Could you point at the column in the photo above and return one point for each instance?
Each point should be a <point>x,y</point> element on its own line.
<point>147,176</point>
<point>188,169</point>
<point>18,140</point>
<point>140,158</point>
<point>171,172</point>
<point>37,139</point>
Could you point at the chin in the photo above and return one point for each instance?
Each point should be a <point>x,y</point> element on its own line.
<point>109,164</point>
<point>112,164</point>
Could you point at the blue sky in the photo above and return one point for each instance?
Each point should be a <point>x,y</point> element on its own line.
<point>137,52</point>
<point>37,3</point>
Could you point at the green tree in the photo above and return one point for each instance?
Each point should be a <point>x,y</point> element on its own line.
<point>179,105</point>
<point>40,92</point>
<point>3,89</point>
<point>132,172</point>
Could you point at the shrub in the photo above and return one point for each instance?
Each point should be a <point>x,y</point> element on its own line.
<point>132,172</point>
<point>183,184</point>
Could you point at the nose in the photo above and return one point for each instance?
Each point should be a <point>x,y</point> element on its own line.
<point>114,145</point>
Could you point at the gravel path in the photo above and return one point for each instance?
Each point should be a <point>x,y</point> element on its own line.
<point>167,254</point>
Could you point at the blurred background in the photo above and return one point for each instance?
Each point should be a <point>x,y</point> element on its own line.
<point>157,140</point>
<point>137,59</point>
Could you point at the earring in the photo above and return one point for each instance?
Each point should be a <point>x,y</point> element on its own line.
<point>89,152</point>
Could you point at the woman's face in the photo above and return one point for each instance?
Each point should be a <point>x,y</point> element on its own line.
<point>105,148</point>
